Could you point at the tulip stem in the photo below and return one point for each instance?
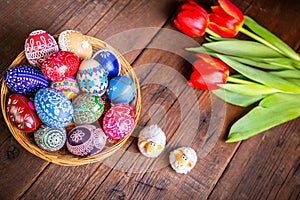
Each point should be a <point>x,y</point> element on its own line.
<point>210,32</point>
<point>259,39</point>
<point>237,80</point>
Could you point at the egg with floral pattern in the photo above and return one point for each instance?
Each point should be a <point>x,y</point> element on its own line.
<point>38,45</point>
<point>21,113</point>
<point>53,108</point>
<point>60,65</point>
<point>86,140</point>
<point>87,108</point>
<point>119,121</point>
<point>92,77</point>
<point>50,139</point>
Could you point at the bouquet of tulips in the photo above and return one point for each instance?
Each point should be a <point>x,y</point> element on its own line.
<point>268,70</point>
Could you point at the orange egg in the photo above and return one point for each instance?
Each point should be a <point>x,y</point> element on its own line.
<point>75,42</point>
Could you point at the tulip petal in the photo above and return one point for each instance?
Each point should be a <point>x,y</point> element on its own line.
<point>229,23</point>
<point>224,32</point>
<point>231,9</point>
<point>208,73</point>
<point>193,6</point>
<point>190,24</point>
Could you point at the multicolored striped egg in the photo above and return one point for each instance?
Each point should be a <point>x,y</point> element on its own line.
<point>50,139</point>
<point>53,108</point>
<point>68,87</point>
<point>25,79</point>
<point>92,77</point>
<point>109,61</point>
<point>86,140</point>
<point>21,113</point>
<point>87,108</point>
<point>38,46</point>
<point>121,89</point>
<point>119,121</point>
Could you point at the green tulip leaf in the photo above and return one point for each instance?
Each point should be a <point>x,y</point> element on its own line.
<point>271,38</point>
<point>283,62</point>
<point>287,73</point>
<point>273,110</point>
<point>256,62</point>
<point>296,81</point>
<point>262,77</point>
<point>236,98</point>
<point>243,48</point>
<point>249,90</point>
<point>260,64</point>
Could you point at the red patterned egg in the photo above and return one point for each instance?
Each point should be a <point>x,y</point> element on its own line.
<point>60,65</point>
<point>119,120</point>
<point>38,46</point>
<point>21,113</point>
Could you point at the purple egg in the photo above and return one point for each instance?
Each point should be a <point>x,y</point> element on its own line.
<point>25,79</point>
<point>86,140</point>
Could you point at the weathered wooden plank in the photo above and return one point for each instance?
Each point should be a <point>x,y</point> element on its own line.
<point>18,169</point>
<point>263,166</point>
<point>99,180</point>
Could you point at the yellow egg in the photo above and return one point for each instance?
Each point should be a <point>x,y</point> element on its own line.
<point>75,42</point>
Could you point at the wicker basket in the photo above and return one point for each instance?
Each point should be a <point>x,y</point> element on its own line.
<point>63,157</point>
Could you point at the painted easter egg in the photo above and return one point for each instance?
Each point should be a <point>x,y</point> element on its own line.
<point>21,113</point>
<point>60,65</point>
<point>183,159</point>
<point>87,108</point>
<point>121,89</point>
<point>38,46</point>
<point>109,61</point>
<point>50,139</point>
<point>68,87</point>
<point>119,120</point>
<point>75,42</point>
<point>53,108</point>
<point>25,79</point>
<point>152,141</point>
<point>92,77</point>
<point>86,140</point>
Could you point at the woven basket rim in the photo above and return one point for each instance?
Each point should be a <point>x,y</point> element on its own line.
<point>60,157</point>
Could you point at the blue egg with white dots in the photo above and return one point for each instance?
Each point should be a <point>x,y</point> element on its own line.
<point>121,89</point>
<point>109,61</point>
<point>53,108</point>
<point>25,79</point>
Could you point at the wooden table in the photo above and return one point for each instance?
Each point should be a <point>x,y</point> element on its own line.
<point>263,167</point>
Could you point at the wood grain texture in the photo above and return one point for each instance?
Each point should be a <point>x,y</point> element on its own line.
<point>264,167</point>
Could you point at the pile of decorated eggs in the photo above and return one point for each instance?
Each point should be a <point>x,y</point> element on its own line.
<point>66,83</point>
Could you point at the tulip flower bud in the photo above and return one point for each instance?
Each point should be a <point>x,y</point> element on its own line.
<point>191,19</point>
<point>226,19</point>
<point>208,72</point>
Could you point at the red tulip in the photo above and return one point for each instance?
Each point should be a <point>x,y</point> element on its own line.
<point>208,73</point>
<point>226,19</point>
<point>191,19</point>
